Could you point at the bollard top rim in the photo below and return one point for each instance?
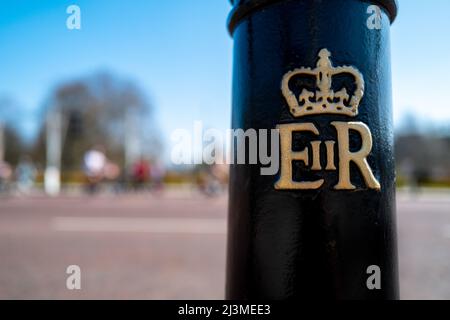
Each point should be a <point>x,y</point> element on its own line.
<point>242,8</point>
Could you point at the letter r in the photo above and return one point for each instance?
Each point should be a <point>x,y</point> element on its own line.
<point>359,157</point>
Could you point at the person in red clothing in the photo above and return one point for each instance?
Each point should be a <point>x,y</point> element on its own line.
<point>141,173</point>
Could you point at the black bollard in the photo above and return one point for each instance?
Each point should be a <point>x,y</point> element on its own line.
<point>323,226</point>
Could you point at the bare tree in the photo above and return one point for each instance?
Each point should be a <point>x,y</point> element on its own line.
<point>11,144</point>
<point>95,110</point>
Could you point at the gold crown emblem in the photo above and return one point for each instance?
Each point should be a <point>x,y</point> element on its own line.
<point>324,100</point>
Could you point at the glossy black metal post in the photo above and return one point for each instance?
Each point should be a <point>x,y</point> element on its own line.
<point>320,72</point>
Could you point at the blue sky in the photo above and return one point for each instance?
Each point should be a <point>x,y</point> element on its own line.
<point>180,53</point>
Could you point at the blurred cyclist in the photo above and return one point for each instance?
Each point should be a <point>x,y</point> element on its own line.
<point>141,174</point>
<point>94,162</point>
<point>25,174</point>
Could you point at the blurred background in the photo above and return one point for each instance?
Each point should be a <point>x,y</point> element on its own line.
<point>86,117</point>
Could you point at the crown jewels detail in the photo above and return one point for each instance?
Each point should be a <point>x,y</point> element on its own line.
<point>324,100</point>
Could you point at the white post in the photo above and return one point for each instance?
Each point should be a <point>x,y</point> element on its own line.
<point>52,177</point>
<point>132,141</point>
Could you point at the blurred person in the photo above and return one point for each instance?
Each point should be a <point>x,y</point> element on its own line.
<point>112,174</point>
<point>141,174</point>
<point>213,179</point>
<point>94,163</point>
<point>157,174</point>
<point>5,176</point>
<point>111,171</point>
<point>221,172</point>
<point>25,174</point>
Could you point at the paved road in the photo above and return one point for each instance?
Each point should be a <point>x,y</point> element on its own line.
<point>424,245</point>
<point>172,247</point>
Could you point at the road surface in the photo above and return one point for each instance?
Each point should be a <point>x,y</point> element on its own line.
<point>172,246</point>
